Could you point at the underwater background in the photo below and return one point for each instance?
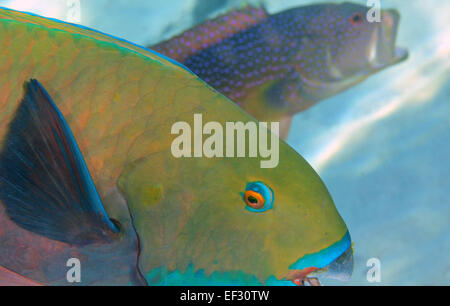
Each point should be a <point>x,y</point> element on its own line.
<point>382,147</point>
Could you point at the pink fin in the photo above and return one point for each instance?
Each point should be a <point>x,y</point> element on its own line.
<point>210,32</point>
<point>285,126</point>
<point>9,278</point>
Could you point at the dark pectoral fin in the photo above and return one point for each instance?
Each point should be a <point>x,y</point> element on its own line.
<point>44,181</point>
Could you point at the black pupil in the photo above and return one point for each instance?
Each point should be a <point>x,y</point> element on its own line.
<point>252,200</point>
<point>356,18</point>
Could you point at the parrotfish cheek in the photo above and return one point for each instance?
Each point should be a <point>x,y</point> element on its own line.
<point>324,257</point>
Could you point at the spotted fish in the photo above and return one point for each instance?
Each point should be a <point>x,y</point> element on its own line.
<point>87,177</point>
<point>276,65</point>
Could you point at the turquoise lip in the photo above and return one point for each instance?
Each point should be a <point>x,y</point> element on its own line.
<point>324,257</point>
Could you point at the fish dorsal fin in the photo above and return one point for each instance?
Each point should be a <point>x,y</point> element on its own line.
<point>44,182</point>
<point>210,32</point>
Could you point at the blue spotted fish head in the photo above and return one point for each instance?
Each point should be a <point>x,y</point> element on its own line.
<point>339,45</point>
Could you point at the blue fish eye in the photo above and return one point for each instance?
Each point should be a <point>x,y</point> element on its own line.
<point>258,197</point>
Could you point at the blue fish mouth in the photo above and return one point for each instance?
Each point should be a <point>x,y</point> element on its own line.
<point>335,261</point>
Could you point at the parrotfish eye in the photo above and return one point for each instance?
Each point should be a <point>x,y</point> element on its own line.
<point>258,197</point>
<point>254,199</point>
<point>356,18</point>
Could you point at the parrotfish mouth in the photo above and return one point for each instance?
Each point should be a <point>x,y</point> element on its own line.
<point>340,269</point>
<point>336,262</point>
<point>382,50</point>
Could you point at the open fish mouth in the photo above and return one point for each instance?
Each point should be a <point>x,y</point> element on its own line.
<point>341,269</point>
<point>336,262</point>
<point>383,51</point>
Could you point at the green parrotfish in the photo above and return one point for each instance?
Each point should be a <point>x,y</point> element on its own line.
<point>276,65</point>
<point>88,180</point>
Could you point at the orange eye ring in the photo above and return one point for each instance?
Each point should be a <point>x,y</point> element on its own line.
<point>356,18</point>
<point>254,199</point>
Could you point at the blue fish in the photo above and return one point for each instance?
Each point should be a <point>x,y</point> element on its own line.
<point>276,65</point>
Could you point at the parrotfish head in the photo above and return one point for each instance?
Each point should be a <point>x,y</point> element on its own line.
<point>341,44</point>
<point>228,218</point>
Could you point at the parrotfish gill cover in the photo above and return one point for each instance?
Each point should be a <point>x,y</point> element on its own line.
<point>86,171</point>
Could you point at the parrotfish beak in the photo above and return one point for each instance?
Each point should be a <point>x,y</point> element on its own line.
<point>335,262</point>
<point>382,50</point>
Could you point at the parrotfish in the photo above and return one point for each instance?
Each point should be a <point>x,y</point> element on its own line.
<point>90,192</point>
<point>276,65</point>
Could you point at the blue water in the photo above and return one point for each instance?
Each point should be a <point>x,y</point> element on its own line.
<point>382,148</point>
